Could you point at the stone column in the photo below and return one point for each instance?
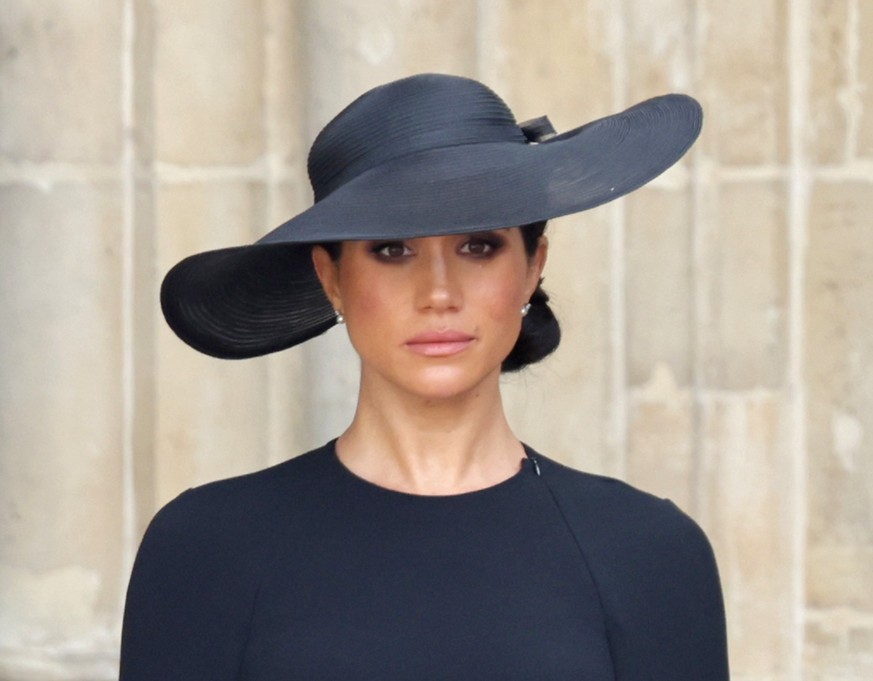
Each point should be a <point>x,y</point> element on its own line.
<point>838,326</point>
<point>62,295</point>
<point>746,488</point>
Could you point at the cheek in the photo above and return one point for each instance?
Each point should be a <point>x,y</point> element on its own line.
<point>371,313</point>
<point>501,299</point>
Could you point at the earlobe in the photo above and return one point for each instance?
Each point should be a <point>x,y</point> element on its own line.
<point>326,269</point>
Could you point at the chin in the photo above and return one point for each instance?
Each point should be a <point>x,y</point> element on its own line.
<point>446,383</point>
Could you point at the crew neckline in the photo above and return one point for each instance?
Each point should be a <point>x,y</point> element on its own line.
<point>527,466</point>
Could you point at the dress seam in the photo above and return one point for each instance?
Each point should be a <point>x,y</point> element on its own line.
<point>585,562</point>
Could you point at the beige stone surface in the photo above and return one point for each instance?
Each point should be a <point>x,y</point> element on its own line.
<point>743,80</point>
<point>864,66</point>
<point>522,56</point>
<point>745,260</point>
<point>208,81</point>
<point>661,439</point>
<point>61,93</point>
<point>659,273</point>
<point>659,44</point>
<point>838,648</point>
<point>353,46</point>
<point>744,503</point>
<point>829,81</point>
<point>840,350</point>
<point>60,417</point>
<point>286,85</point>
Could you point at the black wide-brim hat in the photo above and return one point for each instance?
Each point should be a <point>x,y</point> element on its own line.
<point>422,156</point>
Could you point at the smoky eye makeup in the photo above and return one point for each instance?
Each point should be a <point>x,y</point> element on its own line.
<point>389,250</point>
<point>483,244</point>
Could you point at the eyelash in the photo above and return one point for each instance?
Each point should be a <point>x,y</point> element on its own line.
<point>380,250</point>
<point>490,244</point>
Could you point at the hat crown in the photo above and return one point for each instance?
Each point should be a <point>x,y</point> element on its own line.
<point>415,114</point>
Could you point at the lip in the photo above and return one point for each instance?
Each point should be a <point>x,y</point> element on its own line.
<point>440,343</point>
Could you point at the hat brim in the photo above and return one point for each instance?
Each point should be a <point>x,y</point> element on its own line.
<point>252,300</point>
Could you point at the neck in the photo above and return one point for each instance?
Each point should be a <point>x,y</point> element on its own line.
<point>430,446</point>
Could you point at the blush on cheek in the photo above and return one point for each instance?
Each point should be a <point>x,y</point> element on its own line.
<point>503,301</point>
<point>369,301</point>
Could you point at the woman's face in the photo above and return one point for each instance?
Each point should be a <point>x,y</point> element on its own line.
<point>432,316</point>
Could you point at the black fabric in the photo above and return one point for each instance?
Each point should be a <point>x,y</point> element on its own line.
<point>304,571</point>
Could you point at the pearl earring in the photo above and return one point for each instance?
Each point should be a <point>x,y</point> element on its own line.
<point>525,309</point>
<point>339,317</point>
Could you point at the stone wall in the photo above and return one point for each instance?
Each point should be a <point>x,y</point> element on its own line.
<point>718,324</point>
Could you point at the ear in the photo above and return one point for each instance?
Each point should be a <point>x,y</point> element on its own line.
<point>328,274</point>
<point>536,265</point>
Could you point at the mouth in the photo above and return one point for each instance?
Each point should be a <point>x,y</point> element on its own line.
<point>440,343</point>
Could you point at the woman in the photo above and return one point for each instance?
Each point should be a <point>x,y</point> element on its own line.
<point>426,542</point>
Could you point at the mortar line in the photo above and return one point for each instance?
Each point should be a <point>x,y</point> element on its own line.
<point>799,57</point>
<point>854,87</point>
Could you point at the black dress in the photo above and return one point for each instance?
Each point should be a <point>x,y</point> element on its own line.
<point>305,571</point>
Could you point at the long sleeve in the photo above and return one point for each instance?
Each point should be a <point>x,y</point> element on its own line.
<point>668,623</point>
<point>657,579</point>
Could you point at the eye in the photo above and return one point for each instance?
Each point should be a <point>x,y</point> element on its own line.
<point>481,246</point>
<point>391,250</point>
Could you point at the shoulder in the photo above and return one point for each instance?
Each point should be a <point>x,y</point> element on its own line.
<point>655,572</point>
<point>245,499</point>
<point>199,566</point>
<point>607,509</point>
<point>232,520</point>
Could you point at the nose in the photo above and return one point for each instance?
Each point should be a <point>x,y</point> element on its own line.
<point>438,286</point>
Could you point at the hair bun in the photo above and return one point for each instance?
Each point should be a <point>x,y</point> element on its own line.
<point>540,334</point>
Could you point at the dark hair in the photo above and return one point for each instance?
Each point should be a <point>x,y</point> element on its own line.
<point>540,331</point>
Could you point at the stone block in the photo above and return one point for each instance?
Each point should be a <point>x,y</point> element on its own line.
<point>829,81</point>
<point>838,647</point>
<point>839,575</point>
<point>286,85</point>
<point>211,415</point>
<point>745,504</point>
<point>553,61</point>
<point>838,354</point>
<point>208,81</point>
<point>658,46</point>
<point>744,279</point>
<point>353,46</point>
<point>60,81</point>
<point>60,414</point>
<point>865,73</point>
<point>197,216</point>
<point>661,439</point>
<point>142,85</point>
<point>332,385</point>
<point>211,420</point>
<point>743,80</point>
<point>659,285</point>
<point>565,405</point>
